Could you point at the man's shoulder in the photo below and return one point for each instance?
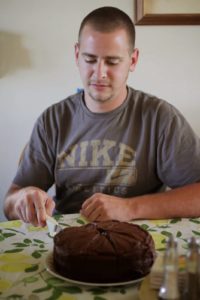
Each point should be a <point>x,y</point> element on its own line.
<point>68,104</point>
<point>155,107</point>
<point>145,96</point>
<point>147,100</point>
<point>61,110</point>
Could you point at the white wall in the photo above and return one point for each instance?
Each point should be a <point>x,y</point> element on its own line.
<point>37,67</point>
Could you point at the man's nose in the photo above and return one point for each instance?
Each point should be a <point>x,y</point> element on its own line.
<point>100,70</point>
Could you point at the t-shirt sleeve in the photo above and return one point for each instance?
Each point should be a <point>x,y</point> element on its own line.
<point>178,158</point>
<point>37,164</point>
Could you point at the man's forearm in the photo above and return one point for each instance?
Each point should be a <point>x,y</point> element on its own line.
<point>179,202</point>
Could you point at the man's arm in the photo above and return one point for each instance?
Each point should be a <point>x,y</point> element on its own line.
<point>29,204</point>
<point>180,202</point>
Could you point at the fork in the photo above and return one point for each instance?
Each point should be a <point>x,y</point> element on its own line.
<point>53,226</point>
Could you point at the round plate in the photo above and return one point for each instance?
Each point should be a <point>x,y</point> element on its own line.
<point>50,268</point>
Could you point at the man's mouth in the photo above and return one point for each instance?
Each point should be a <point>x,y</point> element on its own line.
<point>99,85</point>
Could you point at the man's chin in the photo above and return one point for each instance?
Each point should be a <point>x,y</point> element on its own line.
<point>100,98</point>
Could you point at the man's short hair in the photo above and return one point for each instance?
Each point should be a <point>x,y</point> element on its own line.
<point>108,19</point>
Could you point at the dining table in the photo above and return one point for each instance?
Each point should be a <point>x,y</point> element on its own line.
<point>25,273</point>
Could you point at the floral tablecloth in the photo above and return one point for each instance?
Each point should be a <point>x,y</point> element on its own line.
<point>24,248</point>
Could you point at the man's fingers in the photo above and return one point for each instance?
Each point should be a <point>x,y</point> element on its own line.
<point>49,205</point>
<point>39,203</point>
<point>88,210</point>
<point>32,206</point>
<point>21,214</point>
<point>95,215</point>
<point>21,210</point>
<point>90,203</point>
<point>31,213</point>
<point>93,209</point>
<point>87,202</point>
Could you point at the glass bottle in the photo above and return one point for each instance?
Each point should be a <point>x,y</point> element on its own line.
<point>169,289</point>
<point>192,286</point>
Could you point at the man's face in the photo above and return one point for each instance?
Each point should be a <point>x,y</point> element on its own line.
<point>104,61</point>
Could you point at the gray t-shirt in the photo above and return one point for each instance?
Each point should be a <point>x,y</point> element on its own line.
<point>138,148</point>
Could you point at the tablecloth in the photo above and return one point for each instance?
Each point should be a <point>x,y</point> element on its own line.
<point>24,248</point>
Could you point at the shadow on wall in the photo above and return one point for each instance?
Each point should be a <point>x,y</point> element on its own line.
<point>13,54</point>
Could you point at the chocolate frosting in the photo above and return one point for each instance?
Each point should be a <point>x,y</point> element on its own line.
<point>102,252</point>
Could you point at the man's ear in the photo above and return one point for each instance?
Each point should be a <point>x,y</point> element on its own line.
<point>134,59</point>
<point>76,50</point>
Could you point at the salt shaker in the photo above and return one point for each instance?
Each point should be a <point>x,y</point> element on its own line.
<point>169,289</point>
<point>192,286</point>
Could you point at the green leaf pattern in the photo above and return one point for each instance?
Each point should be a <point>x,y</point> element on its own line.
<point>21,244</point>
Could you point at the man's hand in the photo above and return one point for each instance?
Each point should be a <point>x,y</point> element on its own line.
<point>101,207</point>
<point>30,204</point>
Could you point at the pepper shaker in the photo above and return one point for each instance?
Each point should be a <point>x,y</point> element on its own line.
<point>192,284</point>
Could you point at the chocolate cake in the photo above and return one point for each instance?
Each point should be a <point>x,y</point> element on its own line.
<point>103,252</point>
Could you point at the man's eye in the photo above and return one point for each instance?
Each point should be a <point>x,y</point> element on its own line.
<point>113,62</point>
<point>90,60</point>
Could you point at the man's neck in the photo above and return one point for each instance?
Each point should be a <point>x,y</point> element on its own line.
<point>105,106</point>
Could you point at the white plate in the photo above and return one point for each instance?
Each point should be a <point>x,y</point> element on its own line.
<point>51,269</point>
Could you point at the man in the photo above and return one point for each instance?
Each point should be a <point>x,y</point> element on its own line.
<point>110,150</point>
